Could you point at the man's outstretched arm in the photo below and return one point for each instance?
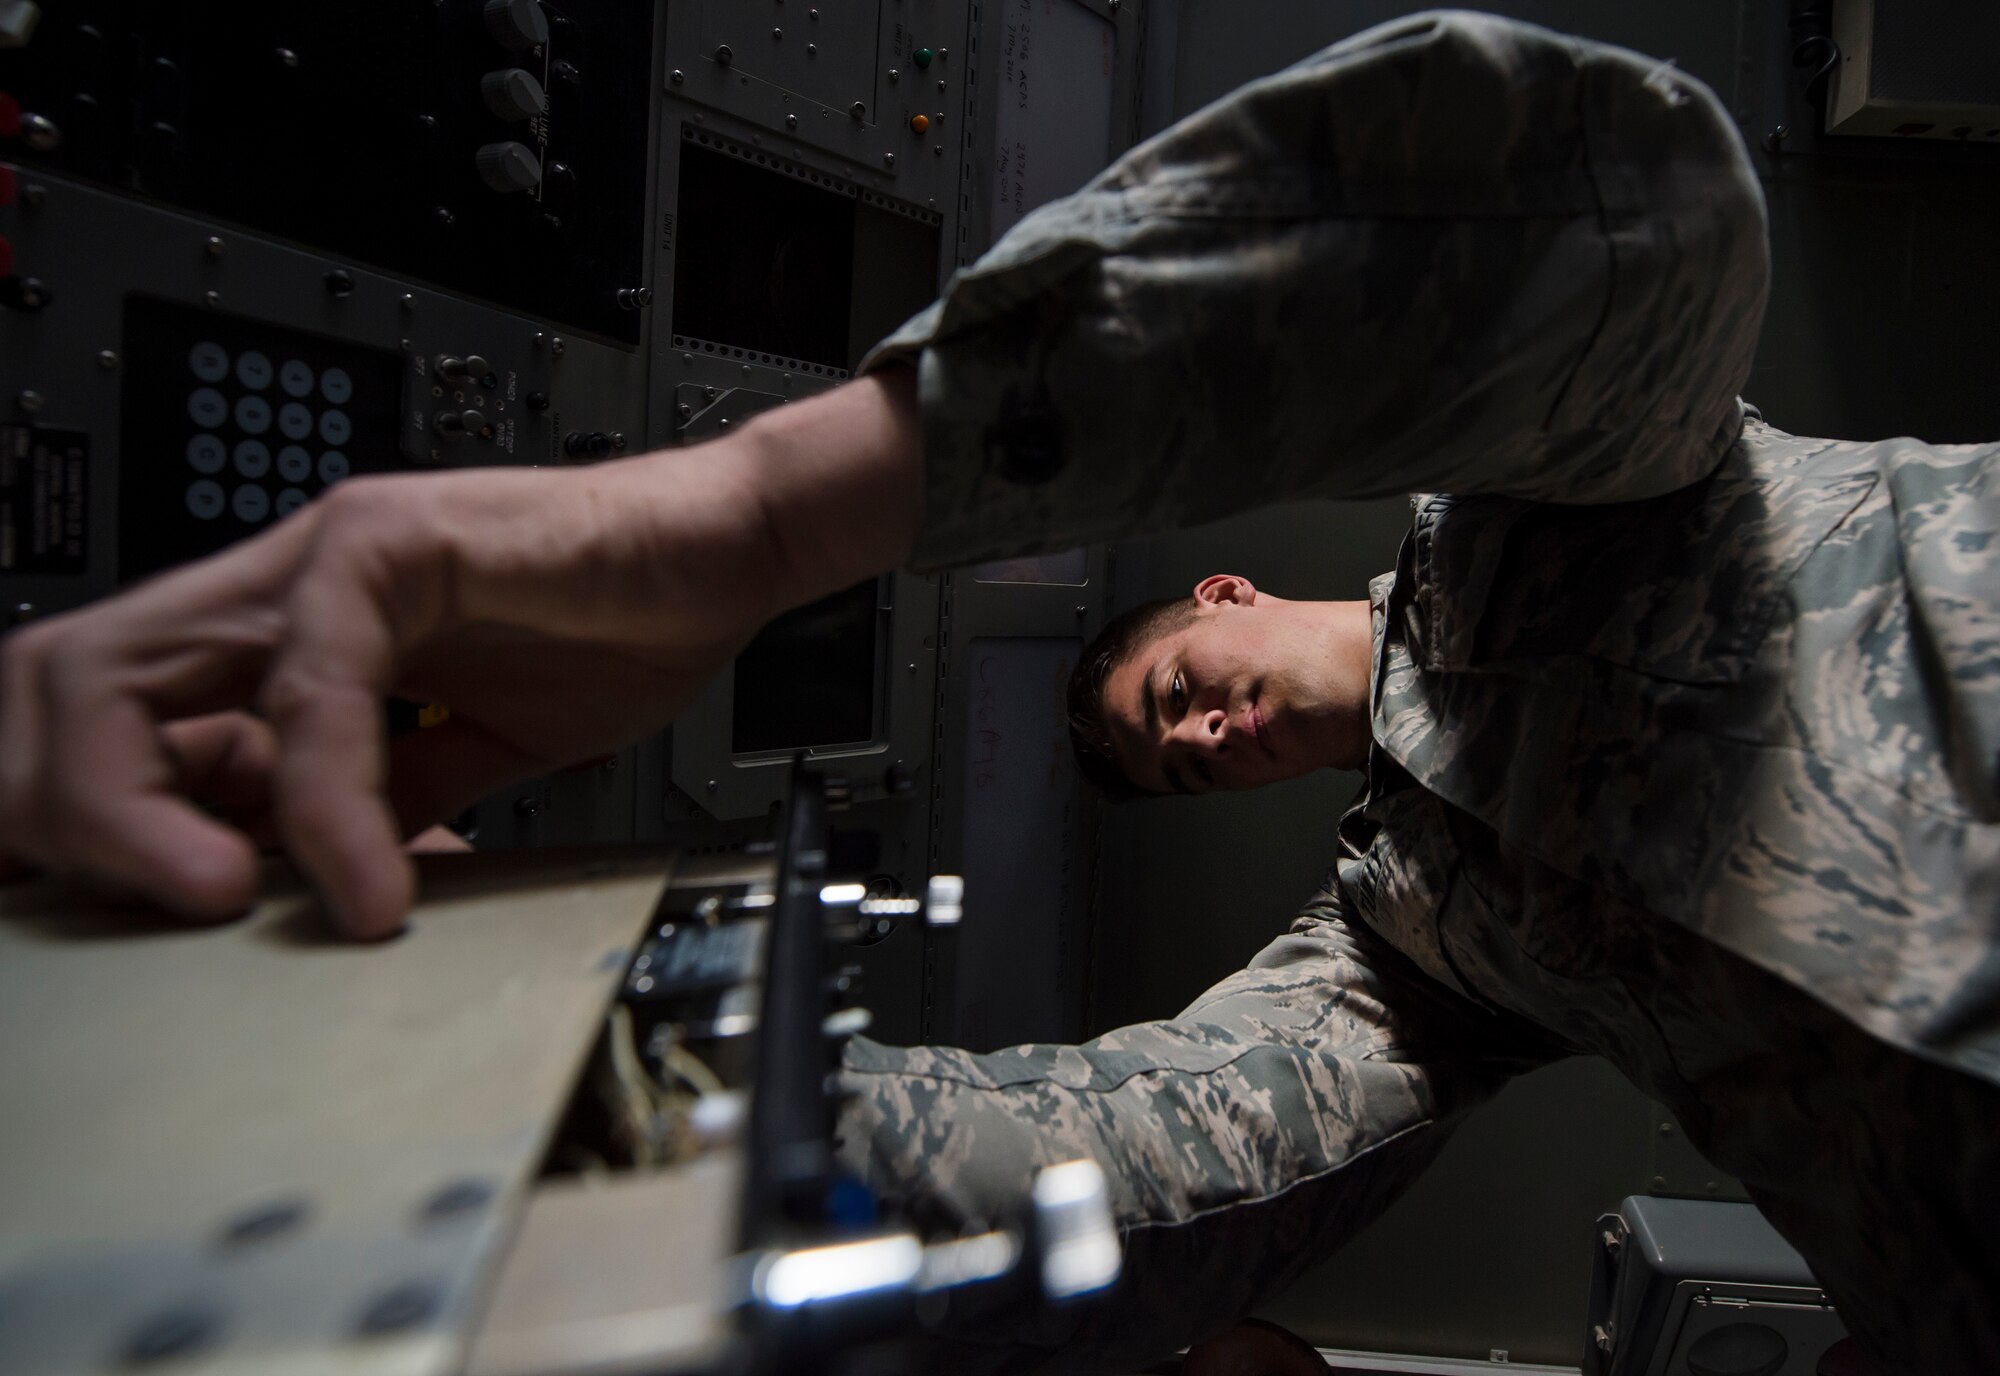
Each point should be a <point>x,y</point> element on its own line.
<point>156,739</point>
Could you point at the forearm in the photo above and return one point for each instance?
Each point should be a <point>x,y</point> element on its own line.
<point>1453,254</point>
<point>840,481</point>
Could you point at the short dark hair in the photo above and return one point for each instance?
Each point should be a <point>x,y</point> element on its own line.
<point>1089,731</point>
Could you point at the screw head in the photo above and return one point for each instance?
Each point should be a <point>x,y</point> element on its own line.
<point>212,299</point>
<point>40,133</point>
<point>712,785</point>
<point>216,248</point>
<point>724,55</point>
<point>677,76</point>
<point>441,216</point>
<point>777,33</point>
<point>791,121</point>
<point>895,75</point>
<point>858,109</point>
<point>684,411</point>
<point>812,50</point>
<point>408,302</point>
<point>556,345</point>
<point>29,401</point>
<point>339,282</point>
<point>107,359</point>
<point>286,57</point>
<point>888,159</point>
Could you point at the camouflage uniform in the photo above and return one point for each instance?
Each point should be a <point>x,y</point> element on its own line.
<point>1687,731</point>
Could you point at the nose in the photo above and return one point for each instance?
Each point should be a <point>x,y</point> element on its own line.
<point>1207,733</point>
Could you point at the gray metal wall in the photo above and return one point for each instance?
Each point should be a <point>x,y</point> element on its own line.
<point>1880,323</point>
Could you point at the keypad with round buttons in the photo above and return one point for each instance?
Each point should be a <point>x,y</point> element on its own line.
<point>208,454</point>
<point>230,423</point>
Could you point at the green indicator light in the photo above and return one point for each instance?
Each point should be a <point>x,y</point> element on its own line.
<point>922,57</point>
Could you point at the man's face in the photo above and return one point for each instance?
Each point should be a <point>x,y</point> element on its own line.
<point>1236,699</point>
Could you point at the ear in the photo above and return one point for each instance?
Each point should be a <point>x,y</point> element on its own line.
<point>1218,588</point>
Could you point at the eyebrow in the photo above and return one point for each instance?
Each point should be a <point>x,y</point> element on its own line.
<point>1149,700</point>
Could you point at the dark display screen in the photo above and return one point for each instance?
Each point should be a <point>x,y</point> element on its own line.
<point>809,677</point>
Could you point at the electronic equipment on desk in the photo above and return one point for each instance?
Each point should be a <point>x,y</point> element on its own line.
<point>579,1117</point>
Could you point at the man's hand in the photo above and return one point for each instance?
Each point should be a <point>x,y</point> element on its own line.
<point>157,739</point>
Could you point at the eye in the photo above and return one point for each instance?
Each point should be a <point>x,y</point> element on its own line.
<point>1177,692</point>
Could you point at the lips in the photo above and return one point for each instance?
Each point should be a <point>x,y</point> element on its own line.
<point>1259,730</point>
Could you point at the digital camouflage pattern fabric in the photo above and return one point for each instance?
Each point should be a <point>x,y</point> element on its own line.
<point>1687,730</point>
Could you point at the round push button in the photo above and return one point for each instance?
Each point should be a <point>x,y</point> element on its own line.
<point>294,464</point>
<point>332,466</point>
<point>207,407</point>
<point>336,386</point>
<point>295,420</point>
<point>250,503</point>
<point>204,499</point>
<point>253,460</point>
<point>253,414</point>
<point>334,427</point>
<point>296,377</point>
<point>206,454</point>
<point>253,370</point>
<point>290,500</point>
<point>209,361</point>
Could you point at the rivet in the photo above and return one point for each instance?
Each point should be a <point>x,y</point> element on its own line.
<point>401,1306</point>
<point>215,246</point>
<point>264,1222</point>
<point>940,83</point>
<point>888,159</point>
<point>812,50</point>
<point>677,77</point>
<point>212,298</point>
<point>791,121</point>
<point>1082,610</point>
<point>724,55</point>
<point>858,109</point>
<point>22,611</point>
<point>107,359</point>
<point>556,345</point>
<point>408,302</point>
<point>286,56</point>
<point>712,785</point>
<point>895,75</point>
<point>913,666</point>
<point>172,1334</point>
<point>442,215</point>
<point>29,400</point>
<point>777,33</point>
<point>459,1197</point>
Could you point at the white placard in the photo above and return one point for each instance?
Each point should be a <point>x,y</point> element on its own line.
<point>1055,67</point>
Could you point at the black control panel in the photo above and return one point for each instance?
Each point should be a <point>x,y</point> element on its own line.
<point>495,147</point>
<point>230,424</point>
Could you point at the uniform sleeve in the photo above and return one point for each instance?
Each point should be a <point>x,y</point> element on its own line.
<point>1242,1141</point>
<point>1455,253</point>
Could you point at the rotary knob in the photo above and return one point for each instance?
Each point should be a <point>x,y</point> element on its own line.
<point>513,95</point>
<point>516,25</point>
<point>508,166</point>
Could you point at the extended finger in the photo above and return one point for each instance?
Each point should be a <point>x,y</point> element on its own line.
<point>324,700</point>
